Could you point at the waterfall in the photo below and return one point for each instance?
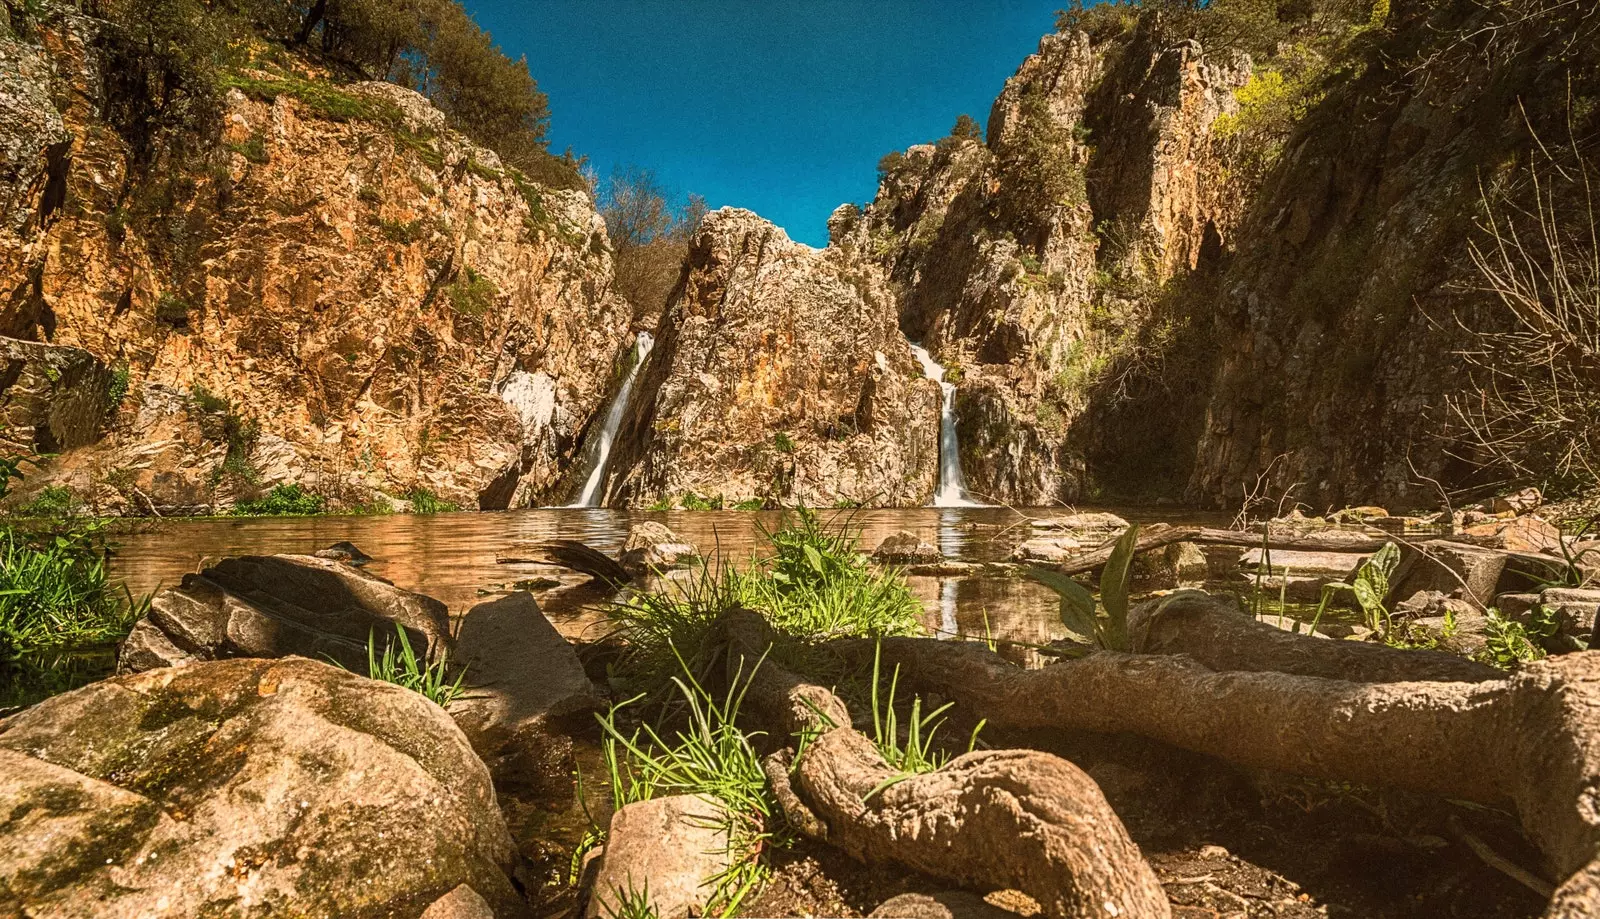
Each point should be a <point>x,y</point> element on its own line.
<point>952,490</point>
<point>600,452</point>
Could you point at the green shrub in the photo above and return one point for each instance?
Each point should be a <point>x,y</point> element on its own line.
<point>253,148</point>
<point>471,294</point>
<point>403,232</point>
<point>288,500</point>
<point>782,442</point>
<point>424,501</point>
<point>696,502</point>
<point>172,310</point>
<point>52,501</point>
<point>117,385</point>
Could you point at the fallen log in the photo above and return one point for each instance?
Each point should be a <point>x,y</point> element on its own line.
<point>1157,535</point>
<point>572,555</point>
<point>1531,740</point>
<point>1223,638</point>
<point>1013,818</point>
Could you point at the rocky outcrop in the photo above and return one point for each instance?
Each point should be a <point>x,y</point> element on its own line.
<point>279,605</point>
<point>1017,261</point>
<point>778,372</point>
<point>339,291</point>
<point>284,787</point>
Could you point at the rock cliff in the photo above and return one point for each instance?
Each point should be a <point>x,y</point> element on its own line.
<point>338,291</point>
<point>779,373</point>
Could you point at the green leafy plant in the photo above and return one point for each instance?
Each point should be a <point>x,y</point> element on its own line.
<point>1509,643</point>
<point>782,442</point>
<point>52,501</point>
<point>695,502</point>
<point>1105,629</point>
<point>399,664</point>
<point>1369,586</point>
<point>424,501</point>
<point>471,294</point>
<point>117,386</point>
<point>288,500</point>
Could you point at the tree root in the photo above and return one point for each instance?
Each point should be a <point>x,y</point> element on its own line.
<point>1531,739</point>
<point>1219,637</point>
<point>1014,818</point>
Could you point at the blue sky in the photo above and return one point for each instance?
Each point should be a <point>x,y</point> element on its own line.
<point>780,107</point>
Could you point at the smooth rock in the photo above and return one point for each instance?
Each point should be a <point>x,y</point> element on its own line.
<point>670,847</point>
<point>278,605</point>
<point>461,903</point>
<point>651,546</point>
<point>906,548</point>
<point>1575,608</point>
<point>344,552</point>
<point>1333,564</point>
<point>949,904</point>
<point>245,787</point>
<point>1054,549</point>
<point>1514,605</point>
<point>524,678</point>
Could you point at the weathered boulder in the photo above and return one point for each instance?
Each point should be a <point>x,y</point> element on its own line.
<point>344,552</point>
<point>1334,564</point>
<point>1173,565</point>
<point>525,681</point>
<point>779,371</point>
<point>244,787</point>
<point>652,546</point>
<point>669,847</point>
<point>906,548</point>
<point>1052,549</point>
<point>278,605</point>
<point>1469,572</point>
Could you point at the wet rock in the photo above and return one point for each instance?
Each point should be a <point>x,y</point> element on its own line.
<point>344,552</point>
<point>278,605</point>
<point>1519,534</point>
<point>1086,525</point>
<point>227,787</point>
<point>950,904</point>
<point>1463,633</point>
<point>1359,514</point>
<point>1518,502</point>
<point>906,548</point>
<point>1052,549</point>
<point>1428,604</point>
<point>1575,608</point>
<point>526,684</point>
<point>1171,566</point>
<point>536,584</point>
<point>669,847</point>
<point>1332,564</point>
<point>651,546</point>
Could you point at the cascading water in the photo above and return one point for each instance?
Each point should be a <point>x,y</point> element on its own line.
<point>952,490</point>
<point>600,454</point>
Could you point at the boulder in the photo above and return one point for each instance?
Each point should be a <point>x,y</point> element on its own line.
<point>1170,566</point>
<point>344,552</point>
<point>1575,608</point>
<point>1089,524</point>
<point>651,546</point>
<point>906,548</point>
<point>1520,534</point>
<point>1053,549</point>
<point>524,679</point>
<point>1469,572</point>
<point>245,787</point>
<point>1431,604</point>
<point>278,605</point>
<point>669,847</point>
<point>1518,502</point>
<point>461,903</point>
<point>1332,564</point>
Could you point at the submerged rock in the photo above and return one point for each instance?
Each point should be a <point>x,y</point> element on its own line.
<point>245,787</point>
<point>344,552</point>
<point>906,548</point>
<point>651,546</point>
<point>278,605</point>
<point>669,847</point>
<point>1088,524</point>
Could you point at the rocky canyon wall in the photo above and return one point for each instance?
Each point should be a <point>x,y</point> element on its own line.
<point>340,292</point>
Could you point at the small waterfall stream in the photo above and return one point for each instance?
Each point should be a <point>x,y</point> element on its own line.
<point>952,490</point>
<point>600,453</point>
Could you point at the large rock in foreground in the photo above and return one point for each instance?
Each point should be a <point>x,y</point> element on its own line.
<point>244,788</point>
<point>526,681</point>
<point>277,605</point>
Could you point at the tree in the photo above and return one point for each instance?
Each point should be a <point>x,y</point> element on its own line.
<point>966,127</point>
<point>648,234</point>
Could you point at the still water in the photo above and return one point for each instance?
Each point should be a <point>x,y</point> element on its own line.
<point>453,557</point>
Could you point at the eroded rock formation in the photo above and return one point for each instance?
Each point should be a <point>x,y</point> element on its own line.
<point>345,294</point>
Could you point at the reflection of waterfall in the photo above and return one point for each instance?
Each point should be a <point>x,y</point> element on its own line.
<point>599,452</point>
<point>952,491</point>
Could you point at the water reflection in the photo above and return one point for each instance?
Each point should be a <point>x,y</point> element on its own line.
<point>453,556</point>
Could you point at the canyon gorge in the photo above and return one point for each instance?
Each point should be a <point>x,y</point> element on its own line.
<point>1145,283</point>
